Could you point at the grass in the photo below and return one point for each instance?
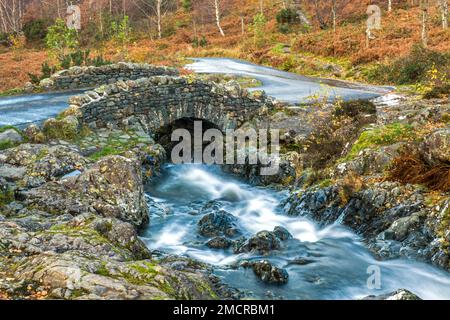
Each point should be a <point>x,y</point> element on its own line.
<point>115,147</point>
<point>6,197</point>
<point>382,136</point>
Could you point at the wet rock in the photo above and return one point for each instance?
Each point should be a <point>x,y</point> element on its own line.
<point>401,294</point>
<point>10,136</point>
<point>218,223</point>
<point>219,243</point>
<point>263,243</point>
<point>282,233</point>
<point>269,273</point>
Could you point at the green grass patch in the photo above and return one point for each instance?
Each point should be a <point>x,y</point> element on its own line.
<point>115,146</point>
<point>6,197</point>
<point>12,92</point>
<point>386,135</point>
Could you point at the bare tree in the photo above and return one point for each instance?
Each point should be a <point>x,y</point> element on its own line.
<point>155,10</point>
<point>424,5</point>
<point>334,14</point>
<point>443,4</point>
<point>217,14</point>
<point>11,13</point>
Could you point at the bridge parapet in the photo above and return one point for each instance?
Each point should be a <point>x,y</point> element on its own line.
<point>91,77</point>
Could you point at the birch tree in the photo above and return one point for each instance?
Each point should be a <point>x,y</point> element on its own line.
<point>11,13</point>
<point>424,5</point>
<point>217,15</point>
<point>443,4</point>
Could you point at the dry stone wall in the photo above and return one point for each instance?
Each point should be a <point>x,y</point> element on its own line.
<point>91,77</point>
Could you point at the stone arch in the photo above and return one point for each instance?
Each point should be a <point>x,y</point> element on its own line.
<point>162,100</point>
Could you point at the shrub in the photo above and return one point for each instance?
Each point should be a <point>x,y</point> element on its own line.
<point>46,72</point>
<point>287,16</point>
<point>355,108</point>
<point>409,167</point>
<point>196,42</point>
<point>410,69</point>
<point>35,30</point>
<point>187,5</point>
<point>60,39</point>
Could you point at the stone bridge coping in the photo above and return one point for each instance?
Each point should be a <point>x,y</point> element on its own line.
<point>120,66</point>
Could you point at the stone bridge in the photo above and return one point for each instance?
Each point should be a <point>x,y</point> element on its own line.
<point>161,100</point>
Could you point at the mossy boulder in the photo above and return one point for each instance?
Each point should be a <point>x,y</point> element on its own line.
<point>66,128</point>
<point>112,188</point>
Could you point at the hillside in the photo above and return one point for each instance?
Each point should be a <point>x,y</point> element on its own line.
<point>309,51</point>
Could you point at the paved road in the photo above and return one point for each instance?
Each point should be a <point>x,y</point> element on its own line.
<point>286,86</point>
<point>22,110</point>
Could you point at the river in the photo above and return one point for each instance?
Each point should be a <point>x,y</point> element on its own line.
<point>334,262</point>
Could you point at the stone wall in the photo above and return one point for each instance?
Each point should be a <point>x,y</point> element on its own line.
<point>160,100</point>
<point>91,77</point>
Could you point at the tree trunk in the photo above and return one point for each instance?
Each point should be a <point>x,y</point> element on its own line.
<point>242,25</point>
<point>444,13</point>
<point>217,9</point>
<point>158,16</point>
<point>389,5</point>
<point>333,13</point>
<point>425,16</point>
<point>424,4</point>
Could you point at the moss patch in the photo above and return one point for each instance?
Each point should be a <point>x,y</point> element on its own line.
<point>6,197</point>
<point>382,136</point>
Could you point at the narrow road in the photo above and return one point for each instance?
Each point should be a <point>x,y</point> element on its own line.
<point>22,110</point>
<point>286,86</point>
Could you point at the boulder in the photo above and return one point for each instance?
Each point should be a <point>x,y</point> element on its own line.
<point>436,147</point>
<point>264,241</point>
<point>217,224</point>
<point>401,294</point>
<point>219,243</point>
<point>267,272</point>
<point>34,134</point>
<point>10,136</point>
<point>112,188</point>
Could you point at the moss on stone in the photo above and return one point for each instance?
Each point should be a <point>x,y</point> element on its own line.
<point>65,129</point>
<point>382,136</point>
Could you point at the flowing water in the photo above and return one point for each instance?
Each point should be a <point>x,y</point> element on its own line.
<point>21,110</point>
<point>336,261</point>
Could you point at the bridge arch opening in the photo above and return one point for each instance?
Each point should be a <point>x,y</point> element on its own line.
<point>163,135</point>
